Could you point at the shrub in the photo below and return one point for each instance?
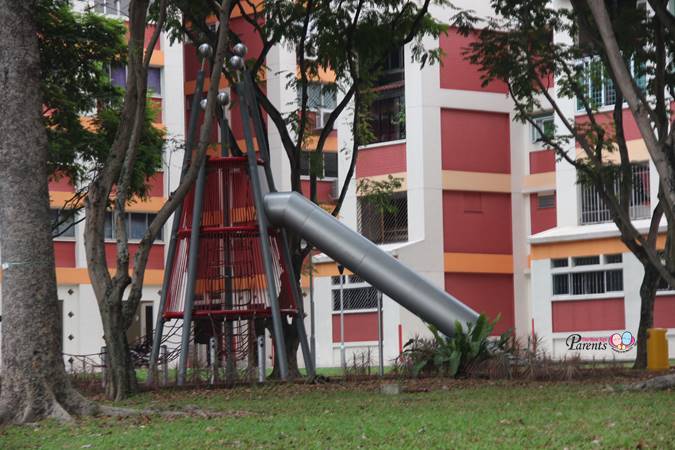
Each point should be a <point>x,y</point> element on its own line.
<point>452,356</point>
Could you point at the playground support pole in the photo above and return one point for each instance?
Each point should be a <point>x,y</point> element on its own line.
<point>300,319</point>
<point>297,294</point>
<point>263,226</point>
<point>312,339</point>
<point>165,365</point>
<point>261,358</point>
<point>380,336</point>
<point>213,356</point>
<point>343,357</point>
<point>187,157</point>
<point>193,260</point>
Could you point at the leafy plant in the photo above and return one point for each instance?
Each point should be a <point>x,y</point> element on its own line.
<point>453,356</point>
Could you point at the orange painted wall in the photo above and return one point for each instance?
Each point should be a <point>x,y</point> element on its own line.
<point>358,327</point>
<point>475,141</point>
<point>588,315</point>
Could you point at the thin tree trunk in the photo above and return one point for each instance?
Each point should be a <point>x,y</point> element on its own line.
<point>121,376</point>
<point>34,381</point>
<point>647,294</point>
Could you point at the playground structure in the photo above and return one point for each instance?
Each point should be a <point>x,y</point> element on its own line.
<point>229,273</point>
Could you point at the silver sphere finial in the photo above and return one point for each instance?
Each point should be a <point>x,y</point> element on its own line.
<point>203,103</point>
<point>223,98</point>
<point>205,50</point>
<point>240,50</point>
<point>237,62</point>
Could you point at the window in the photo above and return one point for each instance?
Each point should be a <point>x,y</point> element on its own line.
<point>112,7</point>
<point>585,260</point>
<point>613,259</point>
<point>545,123</point>
<point>545,201</point>
<point>63,223</point>
<point>321,101</point>
<point>594,210</point>
<point>323,167</point>
<point>387,115</point>
<point>384,223</point>
<point>118,78</point>
<point>598,85</point>
<point>137,223</point>
<point>560,262</point>
<point>589,280</point>
<point>357,294</point>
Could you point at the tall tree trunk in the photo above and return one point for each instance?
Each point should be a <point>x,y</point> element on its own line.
<point>121,376</point>
<point>34,380</point>
<point>292,342</point>
<point>648,287</point>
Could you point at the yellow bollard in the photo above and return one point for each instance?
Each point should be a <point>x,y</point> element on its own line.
<point>657,349</point>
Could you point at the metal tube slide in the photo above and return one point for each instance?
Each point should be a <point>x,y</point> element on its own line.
<point>358,254</point>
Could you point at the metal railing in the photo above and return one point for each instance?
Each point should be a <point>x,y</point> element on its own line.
<point>594,210</point>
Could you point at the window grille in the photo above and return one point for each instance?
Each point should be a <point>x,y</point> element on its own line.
<point>384,226</point>
<point>594,209</point>
<point>545,201</point>
<point>355,298</point>
<point>585,283</point>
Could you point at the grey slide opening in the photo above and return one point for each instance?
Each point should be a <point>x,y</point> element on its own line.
<point>296,213</point>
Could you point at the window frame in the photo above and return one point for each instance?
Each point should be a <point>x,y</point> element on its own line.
<point>571,269</point>
<point>112,238</point>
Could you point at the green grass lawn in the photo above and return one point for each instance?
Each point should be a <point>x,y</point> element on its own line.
<point>441,414</point>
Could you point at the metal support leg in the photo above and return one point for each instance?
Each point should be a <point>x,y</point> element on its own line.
<point>165,365</point>
<point>193,256</point>
<point>297,297</point>
<point>263,225</point>
<point>380,336</point>
<point>213,356</point>
<point>187,157</point>
<point>261,358</point>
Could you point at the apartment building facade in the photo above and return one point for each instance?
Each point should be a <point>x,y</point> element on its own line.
<point>479,208</point>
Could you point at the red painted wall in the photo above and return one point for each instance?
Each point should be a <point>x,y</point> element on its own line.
<point>541,219</point>
<point>542,161</point>
<point>323,190</point>
<point>358,327</point>
<point>64,253</point>
<point>476,141</point>
<point>156,185</point>
<point>155,259</point>
<point>588,315</point>
<point>60,183</point>
<point>149,30</point>
<point>456,72</point>
<point>486,231</point>
<point>664,311</point>
<point>630,128</point>
<point>381,160</point>
<point>491,294</point>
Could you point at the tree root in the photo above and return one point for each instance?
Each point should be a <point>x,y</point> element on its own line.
<point>655,384</point>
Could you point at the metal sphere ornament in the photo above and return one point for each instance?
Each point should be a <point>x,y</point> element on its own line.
<point>240,50</point>
<point>203,103</point>
<point>205,50</point>
<point>223,98</point>
<point>237,62</point>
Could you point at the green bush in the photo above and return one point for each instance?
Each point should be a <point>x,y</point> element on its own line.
<point>452,356</point>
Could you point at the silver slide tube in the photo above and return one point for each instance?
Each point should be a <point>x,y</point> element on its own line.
<point>358,254</point>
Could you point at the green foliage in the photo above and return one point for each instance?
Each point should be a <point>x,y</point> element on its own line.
<point>453,356</point>
<point>379,192</point>
<point>76,52</point>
